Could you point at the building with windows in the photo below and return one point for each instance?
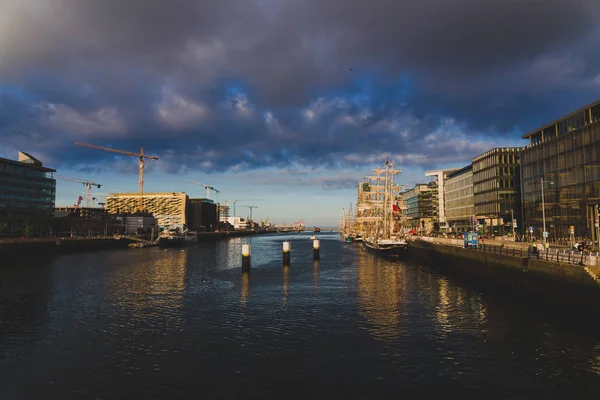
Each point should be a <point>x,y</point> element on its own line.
<point>27,197</point>
<point>84,222</point>
<point>201,215</point>
<point>440,176</point>
<point>497,189</point>
<point>169,208</point>
<point>223,212</point>
<point>420,207</point>
<point>460,210</point>
<point>562,161</point>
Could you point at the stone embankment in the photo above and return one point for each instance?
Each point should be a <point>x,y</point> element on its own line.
<point>573,279</point>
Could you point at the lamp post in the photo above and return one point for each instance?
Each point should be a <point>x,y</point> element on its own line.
<point>544,233</point>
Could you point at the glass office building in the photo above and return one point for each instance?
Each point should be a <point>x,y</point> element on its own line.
<point>420,203</point>
<point>460,210</point>
<point>27,196</point>
<point>563,159</point>
<point>496,189</point>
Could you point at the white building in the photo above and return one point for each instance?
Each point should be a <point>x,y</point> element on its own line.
<point>441,175</point>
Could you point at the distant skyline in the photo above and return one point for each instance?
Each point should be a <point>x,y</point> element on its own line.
<point>290,102</point>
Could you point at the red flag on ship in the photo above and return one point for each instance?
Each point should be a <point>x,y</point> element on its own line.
<point>395,208</point>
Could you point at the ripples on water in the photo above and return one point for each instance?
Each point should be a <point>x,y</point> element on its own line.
<point>154,323</point>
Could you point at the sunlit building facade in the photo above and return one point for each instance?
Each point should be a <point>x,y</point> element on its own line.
<point>496,189</point>
<point>563,159</point>
<point>460,210</point>
<point>27,197</point>
<point>439,179</point>
<point>169,208</point>
<point>421,210</point>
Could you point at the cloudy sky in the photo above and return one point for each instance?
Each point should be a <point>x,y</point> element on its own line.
<point>286,103</point>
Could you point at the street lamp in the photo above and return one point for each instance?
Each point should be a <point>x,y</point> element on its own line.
<point>544,233</point>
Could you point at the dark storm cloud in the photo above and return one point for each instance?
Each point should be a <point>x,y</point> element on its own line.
<point>245,84</point>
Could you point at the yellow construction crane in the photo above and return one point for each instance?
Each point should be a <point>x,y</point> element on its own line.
<point>88,185</point>
<point>141,155</point>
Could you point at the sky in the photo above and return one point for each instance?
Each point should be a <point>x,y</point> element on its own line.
<point>284,104</point>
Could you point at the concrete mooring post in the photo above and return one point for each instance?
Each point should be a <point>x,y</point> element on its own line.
<point>286,252</point>
<point>245,258</point>
<point>316,253</point>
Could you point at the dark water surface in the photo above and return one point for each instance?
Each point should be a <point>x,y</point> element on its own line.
<point>186,323</point>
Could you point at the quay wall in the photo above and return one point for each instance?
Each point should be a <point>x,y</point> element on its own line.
<point>562,284</point>
<point>48,247</point>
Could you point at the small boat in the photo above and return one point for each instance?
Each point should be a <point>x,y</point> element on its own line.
<point>316,229</point>
<point>174,239</point>
<point>348,239</point>
<point>358,238</point>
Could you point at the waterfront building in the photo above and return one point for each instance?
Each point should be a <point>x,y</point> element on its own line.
<point>460,210</point>
<point>201,215</point>
<point>84,222</point>
<point>420,207</point>
<point>497,189</point>
<point>440,176</point>
<point>562,161</point>
<point>27,197</point>
<point>223,210</point>
<point>139,224</point>
<point>169,208</point>
<point>238,223</point>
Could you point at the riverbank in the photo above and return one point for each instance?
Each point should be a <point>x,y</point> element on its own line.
<point>565,284</point>
<point>14,249</point>
<point>44,247</point>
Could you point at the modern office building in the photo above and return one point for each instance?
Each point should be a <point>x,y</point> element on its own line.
<point>440,176</point>
<point>201,215</point>
<point>27,197</point>
<point>460,210</point>
<point>420,207</point>
<point>496,189</point>
<point>169,208</point>
<point>562,161</point>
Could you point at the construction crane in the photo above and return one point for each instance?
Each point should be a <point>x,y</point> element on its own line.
<point>250,207</point>
<point>208,189</point>
<point>141,155</point>
<point>88,185</point>
<point>235,201</point>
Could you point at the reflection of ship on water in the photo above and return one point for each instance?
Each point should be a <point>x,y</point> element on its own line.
<point>382,294</point>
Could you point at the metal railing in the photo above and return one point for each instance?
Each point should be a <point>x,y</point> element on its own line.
<point>558,255</point>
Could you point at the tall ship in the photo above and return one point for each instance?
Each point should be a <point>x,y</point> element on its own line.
<point>379,210</point>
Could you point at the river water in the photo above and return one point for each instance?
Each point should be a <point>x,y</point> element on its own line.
<point>182,323</point>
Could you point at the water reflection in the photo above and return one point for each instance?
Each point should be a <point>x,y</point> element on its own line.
<point>245,290</point>
<point>316,267</point>
<point>286,283</point>
<point>382,293</point>
<point>149,294</point>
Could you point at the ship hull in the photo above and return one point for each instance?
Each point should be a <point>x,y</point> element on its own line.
<point>390,250</point>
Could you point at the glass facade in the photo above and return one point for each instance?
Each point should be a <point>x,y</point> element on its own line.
<point>459,199</point>
<point>564,157</point>
<point>420,203</point>
<point>496,188</point>
<point>27,196</point>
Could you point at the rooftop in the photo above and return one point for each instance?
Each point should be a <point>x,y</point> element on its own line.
<point>533,132</point>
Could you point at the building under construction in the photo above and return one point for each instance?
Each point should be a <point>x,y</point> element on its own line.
<point>169,208</point>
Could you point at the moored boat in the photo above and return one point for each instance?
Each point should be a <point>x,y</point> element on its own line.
<point>174,239</point>
<point>387,247</point>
